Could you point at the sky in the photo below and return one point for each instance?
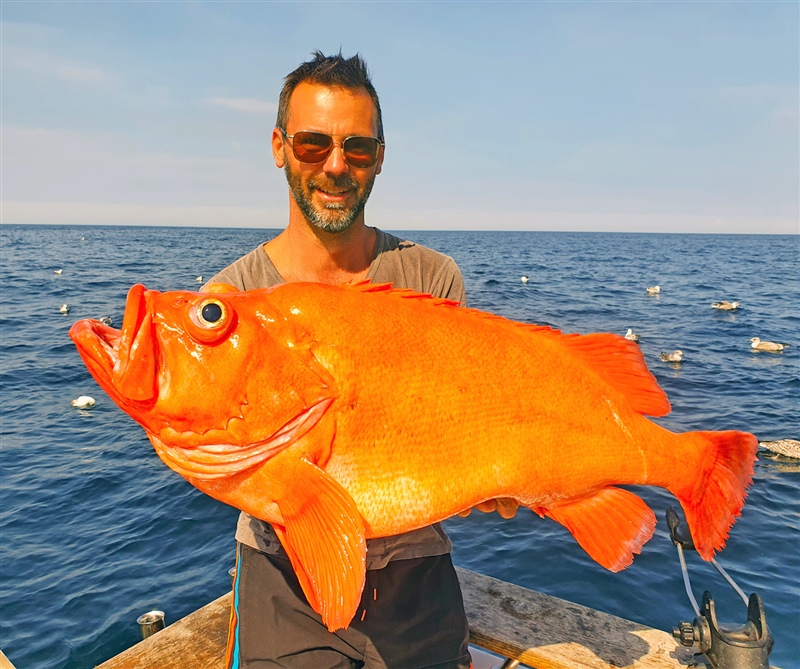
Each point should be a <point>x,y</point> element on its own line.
<point>586,116</point>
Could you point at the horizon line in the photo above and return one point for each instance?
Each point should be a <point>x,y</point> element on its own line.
<point>395,229</point>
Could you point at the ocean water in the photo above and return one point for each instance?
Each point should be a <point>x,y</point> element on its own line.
<point>96,530</point>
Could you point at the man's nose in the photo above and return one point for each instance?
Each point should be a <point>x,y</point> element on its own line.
<point>335,162</point>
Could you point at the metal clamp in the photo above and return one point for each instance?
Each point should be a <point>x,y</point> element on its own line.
<point>724,645</point>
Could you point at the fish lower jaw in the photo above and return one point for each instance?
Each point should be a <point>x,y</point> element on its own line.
<point>220,460</point>
<point>208,461</point>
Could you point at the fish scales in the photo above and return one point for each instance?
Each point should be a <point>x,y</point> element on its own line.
<point>341,413</point>
<point>514,405</point>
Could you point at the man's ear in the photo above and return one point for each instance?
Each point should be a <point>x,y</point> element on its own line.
<point>379,164</point>
<point>278,148</point>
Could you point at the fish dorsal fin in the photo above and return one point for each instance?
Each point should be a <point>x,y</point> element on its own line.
<point>615,359</point>
<point>620,363</point>
<point>366,286</point>
<point>324,538</point>
<point>611,526</point>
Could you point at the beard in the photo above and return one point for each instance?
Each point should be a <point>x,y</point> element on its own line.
<point>332,217</point>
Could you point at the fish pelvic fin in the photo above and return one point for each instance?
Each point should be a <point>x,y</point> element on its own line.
<point>611,525</point>
<point>324,539</point>
<point>621,364</point>
<point>714,498</point>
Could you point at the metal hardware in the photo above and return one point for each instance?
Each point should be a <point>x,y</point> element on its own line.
<point>725,646</point>
<point>510,664</point>
<point>151,622</point>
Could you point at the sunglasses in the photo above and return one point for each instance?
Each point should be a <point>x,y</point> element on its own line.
<point>315,147</point>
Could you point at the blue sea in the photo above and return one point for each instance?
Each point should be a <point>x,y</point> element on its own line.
<point>96,530</point>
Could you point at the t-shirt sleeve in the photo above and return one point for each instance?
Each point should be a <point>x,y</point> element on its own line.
<point>405,264</point>
<point>227,275</point>
<point>249,272</point>
<point>449,283</point>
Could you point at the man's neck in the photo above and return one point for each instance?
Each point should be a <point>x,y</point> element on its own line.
<point>303,252</point>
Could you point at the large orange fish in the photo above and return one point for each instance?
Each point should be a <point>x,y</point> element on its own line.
<point>340,413</point>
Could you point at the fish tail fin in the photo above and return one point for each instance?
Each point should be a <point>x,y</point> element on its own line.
<point>714,498</point>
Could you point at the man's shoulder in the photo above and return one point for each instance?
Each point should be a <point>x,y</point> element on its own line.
<point>252,270</point>
<point>407,264</point>
<point>407,252</point>
<point>389,243</point>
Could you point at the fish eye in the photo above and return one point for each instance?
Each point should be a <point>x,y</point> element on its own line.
<point>210,319</point>
<point>211,312</point>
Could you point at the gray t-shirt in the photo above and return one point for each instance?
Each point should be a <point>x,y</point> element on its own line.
<point>405,265</point>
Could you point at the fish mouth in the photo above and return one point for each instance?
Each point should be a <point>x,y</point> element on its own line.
<point>123,362</point>
<point>216,461</point>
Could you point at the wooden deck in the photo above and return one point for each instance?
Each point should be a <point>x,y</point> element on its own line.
<point>540,631</point>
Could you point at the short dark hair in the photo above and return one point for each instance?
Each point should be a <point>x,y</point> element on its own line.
<point>331,71</point>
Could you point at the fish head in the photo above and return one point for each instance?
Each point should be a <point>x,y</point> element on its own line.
<point>220,381</point>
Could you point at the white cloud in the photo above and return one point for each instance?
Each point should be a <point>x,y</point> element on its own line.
<point>45,64</point>
<point>248,105</point>
<point>26,32</point>
<point>49,165</point>
<point>101,213</point>
<point>536,220</point>
<point>82,74</point>
<point>785,119</point>
<point>755,94</point>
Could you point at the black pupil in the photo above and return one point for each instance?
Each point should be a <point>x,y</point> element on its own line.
<point>211,312</point>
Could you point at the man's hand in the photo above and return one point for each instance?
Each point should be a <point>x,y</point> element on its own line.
<point>505,506</point>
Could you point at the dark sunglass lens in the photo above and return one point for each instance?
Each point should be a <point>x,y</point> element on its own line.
<point>361,151</point>
<point>311,147</point>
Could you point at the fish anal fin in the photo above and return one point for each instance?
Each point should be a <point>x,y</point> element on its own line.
<point>611,526</point>
<point>324,538</point>
<point>621,364</point>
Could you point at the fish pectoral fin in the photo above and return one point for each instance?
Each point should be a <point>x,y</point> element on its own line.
<point>324,538</point>
<point>611,526</point>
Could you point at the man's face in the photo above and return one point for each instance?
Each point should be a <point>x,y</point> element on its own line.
<point>331,194</point>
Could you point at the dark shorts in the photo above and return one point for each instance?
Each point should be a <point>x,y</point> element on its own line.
<point>411,616</point>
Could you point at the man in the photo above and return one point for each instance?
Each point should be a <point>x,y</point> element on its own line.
<point>329,141</point>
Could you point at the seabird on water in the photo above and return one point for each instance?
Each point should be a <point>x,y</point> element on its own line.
<point>524,278</point>
<point>64,309</point>
<point>83,402</point>
<point>759,345</point>
<point>653,290</point>
<point>630,335</point>
<point>725,305</point>
<point>788,447</point>
<point>677,356</point>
